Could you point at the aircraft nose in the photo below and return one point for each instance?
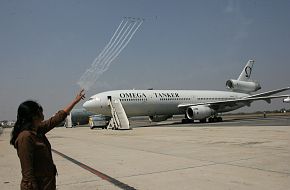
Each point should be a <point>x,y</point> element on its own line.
<point>86,105</point>
<point>89,105</point>
<point>92,104</point>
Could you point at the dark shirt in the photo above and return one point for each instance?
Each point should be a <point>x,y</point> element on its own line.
<point>34,152</point>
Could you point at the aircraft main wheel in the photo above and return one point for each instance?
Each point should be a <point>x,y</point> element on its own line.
<point>220,119</point>
<point>202,120</point>
<point>215,119</point>
<point>184,121</point>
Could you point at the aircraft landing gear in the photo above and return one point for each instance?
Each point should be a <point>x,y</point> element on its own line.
<point>202,120</point>
<point>215,119</point>
<point>186,120</point>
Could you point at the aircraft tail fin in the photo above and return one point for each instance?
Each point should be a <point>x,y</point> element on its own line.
<point>247,71</point>
<point>244,84</point>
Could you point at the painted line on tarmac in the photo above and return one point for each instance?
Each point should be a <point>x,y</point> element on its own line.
<point>96,172</point>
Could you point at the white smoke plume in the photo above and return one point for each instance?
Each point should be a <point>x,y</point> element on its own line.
<point>120,39</point>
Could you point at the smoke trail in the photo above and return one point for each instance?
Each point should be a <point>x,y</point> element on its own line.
<point>121,49</point>
<point>101,64</point>
<point>91,74</point>
<point>117,43</point>
<point>109,46</point>
<point>120,43</point>
<point>123,44</point>
<point>120,39</point>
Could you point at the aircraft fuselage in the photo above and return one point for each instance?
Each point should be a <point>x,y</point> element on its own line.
<point>159,102</point>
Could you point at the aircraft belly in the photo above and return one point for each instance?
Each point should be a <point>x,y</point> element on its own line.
<point>151,109</point>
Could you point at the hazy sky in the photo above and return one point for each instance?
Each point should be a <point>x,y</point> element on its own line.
<point>45,47</point>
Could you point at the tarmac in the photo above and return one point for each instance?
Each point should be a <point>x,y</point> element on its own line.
<point>247,153</point>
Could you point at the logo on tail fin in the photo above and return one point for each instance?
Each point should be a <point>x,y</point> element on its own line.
<point>248,71</point>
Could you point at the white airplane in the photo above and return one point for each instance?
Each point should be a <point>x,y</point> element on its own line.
<point>200,105</point>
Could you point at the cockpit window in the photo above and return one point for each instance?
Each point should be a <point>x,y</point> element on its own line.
<point>91,98</point>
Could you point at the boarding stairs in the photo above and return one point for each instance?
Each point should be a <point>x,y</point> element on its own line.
<point>119,118</point>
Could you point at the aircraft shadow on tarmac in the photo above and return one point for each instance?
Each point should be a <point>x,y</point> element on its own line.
<point>247,121</point>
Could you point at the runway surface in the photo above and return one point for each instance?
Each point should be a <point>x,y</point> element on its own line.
<point>248,153</point>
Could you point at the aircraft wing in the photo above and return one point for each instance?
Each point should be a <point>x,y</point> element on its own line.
<point>269,93</point>
<point>231,103</point>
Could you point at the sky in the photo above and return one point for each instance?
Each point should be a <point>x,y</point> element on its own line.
<point>46,46</point>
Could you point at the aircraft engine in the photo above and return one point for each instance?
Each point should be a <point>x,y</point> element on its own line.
<point>242,86</point>
<point>199,112</point>
<point>158,118</point>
